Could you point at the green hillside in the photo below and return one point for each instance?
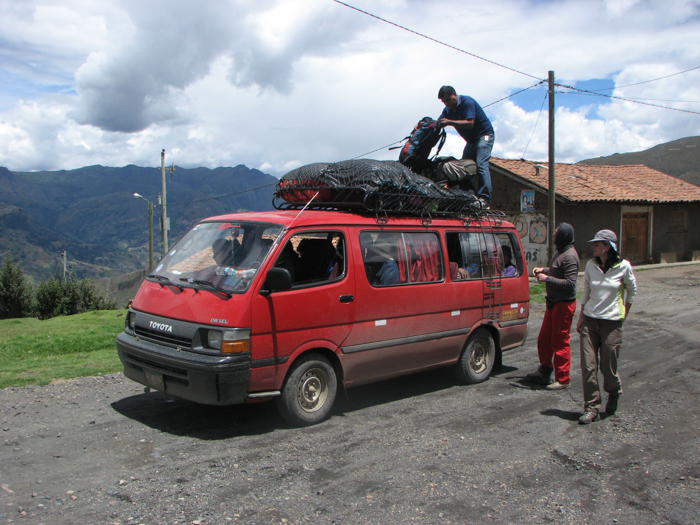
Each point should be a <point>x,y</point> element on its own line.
<point>680,158</point>
<point>92,214</point>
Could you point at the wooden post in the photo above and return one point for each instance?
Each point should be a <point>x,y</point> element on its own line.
<point>552,180</point>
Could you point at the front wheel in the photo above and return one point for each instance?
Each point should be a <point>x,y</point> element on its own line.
<point>476,362</point>
<point>309,392</point>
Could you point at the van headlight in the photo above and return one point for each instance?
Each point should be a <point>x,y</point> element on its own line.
<point>229,341</point>
<point>214,338</point>
<point>131,321</point>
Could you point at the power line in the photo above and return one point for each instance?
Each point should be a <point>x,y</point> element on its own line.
<point>536,122</point>
<point>222,196</point>
<point>491,104</point>
<point>516,93</point>
<point>379,149</point>
<point>435,40</point>
<point>647,81</point>
<point>628,100</point>
<point>631,98</point>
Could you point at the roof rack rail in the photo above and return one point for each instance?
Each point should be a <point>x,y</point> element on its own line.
<point>358,200</point>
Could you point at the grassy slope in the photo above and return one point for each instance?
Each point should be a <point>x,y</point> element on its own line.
<point>36,352</point>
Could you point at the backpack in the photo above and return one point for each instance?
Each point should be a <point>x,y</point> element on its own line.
<point>420,142</point>
<point>450,172</point>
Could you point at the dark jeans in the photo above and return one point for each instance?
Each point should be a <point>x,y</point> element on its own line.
<point>480,152</point>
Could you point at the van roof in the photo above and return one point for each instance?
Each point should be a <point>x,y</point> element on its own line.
<point>342,218</point>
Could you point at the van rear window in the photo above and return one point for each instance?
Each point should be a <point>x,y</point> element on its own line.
<point>475,255</point>
<point>395,258</point>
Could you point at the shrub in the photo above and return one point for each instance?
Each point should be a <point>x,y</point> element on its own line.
<point>49,298</point>
<point>72,296</point>
<point>16,295</point>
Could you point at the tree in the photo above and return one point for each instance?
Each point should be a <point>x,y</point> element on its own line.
<point>81,295</point>
<point>16,294</point>
<point>70,296</point>
<point>49,298</point>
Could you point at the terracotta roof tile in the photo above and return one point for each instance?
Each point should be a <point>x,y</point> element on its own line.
<point>587,183</point>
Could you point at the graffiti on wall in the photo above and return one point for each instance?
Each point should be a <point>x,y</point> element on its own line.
<point>532,229</point>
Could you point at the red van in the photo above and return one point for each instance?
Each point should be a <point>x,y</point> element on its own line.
<point>293,305</point>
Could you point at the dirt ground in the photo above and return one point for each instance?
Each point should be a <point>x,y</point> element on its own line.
<point>418,449</point>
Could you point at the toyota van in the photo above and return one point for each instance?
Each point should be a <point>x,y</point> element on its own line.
<point>294,305</point>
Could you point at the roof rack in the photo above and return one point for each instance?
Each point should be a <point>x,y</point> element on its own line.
<point>458,206</point>
<point>378,187</point>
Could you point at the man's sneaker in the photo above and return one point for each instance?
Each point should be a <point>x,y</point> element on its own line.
<point>558,386</point>
<point>611,406</point>
<point>542,376</point>
<point>589,416</point>
<point>484,204</point>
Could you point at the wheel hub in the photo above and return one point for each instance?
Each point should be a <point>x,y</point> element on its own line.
<point>313,390</point>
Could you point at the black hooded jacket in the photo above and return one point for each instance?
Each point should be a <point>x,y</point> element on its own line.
<point>563,268</point>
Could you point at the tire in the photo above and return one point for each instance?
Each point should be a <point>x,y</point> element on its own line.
<point>477,359</point>
<point>309,391</point>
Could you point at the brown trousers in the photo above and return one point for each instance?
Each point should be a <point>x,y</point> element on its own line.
<point>600,350</point>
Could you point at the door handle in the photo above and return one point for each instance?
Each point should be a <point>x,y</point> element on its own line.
<point>346,298</point>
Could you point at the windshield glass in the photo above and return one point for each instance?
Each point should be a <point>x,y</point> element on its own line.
<point>227,254</point>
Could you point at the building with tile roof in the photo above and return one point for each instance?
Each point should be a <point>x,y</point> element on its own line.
<point>652,213</point>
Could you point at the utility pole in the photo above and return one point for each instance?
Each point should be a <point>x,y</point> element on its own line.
<point>552,180</point>
<point>164,220</point>
<point>150,231</point>
<point>64,265</point>
<point>150,237</point>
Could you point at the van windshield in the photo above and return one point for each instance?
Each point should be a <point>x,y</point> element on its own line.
<point>225,254</point>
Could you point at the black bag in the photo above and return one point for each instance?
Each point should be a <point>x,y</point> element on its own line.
<point>425,136</point>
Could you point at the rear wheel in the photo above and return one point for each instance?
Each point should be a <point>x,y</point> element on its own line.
<point>479,354</point>
<point>308,394</point>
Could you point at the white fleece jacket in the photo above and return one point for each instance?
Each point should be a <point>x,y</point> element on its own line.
<point>604,293</point>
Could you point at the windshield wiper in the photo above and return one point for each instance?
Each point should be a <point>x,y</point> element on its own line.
<point>208,284</point>
<point>164,281</point>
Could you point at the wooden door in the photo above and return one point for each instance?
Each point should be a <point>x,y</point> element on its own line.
<point>635,237</point>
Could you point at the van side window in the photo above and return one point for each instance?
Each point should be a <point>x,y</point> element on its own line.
<point>511,259</point>
<point>490,255</point>
<point>313,257</point>
<point>393,258</point>
<point>464,254</point>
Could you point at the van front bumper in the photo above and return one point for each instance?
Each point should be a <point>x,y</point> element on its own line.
<point>207,379</point>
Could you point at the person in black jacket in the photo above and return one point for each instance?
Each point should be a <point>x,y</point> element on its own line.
<point>553,343</point>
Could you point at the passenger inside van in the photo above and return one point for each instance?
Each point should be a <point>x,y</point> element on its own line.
<point>288,259</point>
<point>316,258</point>
<point>459,268</point>
<point>509,268</point>
<point>381,255</point>
<point>225,250</point>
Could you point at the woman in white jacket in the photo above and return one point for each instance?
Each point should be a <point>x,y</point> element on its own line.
<point>609,288</point>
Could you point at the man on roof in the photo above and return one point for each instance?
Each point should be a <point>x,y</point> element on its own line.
<point>465,115</point>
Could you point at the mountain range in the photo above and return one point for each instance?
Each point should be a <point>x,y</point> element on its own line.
<point>92,213</point>
<point>680,158</point>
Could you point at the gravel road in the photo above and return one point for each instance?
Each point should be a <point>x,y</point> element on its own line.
<point>418,449</point>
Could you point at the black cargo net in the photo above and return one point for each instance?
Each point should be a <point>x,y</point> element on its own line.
<point>372,185</point>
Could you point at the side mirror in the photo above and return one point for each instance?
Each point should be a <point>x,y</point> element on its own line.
<point>277,280</point>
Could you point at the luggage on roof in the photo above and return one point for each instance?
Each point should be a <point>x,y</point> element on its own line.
<point>374,185</point>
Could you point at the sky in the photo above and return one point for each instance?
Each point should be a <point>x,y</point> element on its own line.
<point>276,84</point>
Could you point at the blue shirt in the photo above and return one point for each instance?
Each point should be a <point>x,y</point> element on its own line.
<point>388,274</point>
<point>467,109</point>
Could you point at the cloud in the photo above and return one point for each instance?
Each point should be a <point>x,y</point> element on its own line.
<point>274,84</point>
<point>133,86</point>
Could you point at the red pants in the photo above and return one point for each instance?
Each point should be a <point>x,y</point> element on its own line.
<point>553,343</point>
